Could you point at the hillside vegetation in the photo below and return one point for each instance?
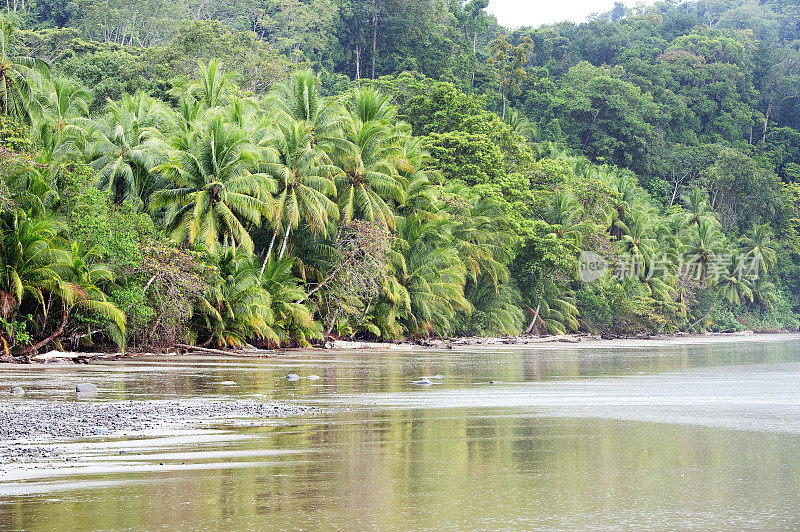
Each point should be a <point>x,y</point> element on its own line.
<point>278,172</point>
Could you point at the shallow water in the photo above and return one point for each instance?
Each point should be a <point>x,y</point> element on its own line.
<point>674,435</point>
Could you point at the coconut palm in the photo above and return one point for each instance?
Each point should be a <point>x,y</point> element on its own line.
<point>704,247</point>
<point>520,124</point>
<point>429,276</point>
<point>299,99</point>
<point>28,257</point>
<point>63,101</point>
<point>213,87</point>
<point>622,204</point>
<point>759,247</point>
<point>553,309</point>
<point>418,177</point>
<point>368,176</point>
<point>82,277</point>
<point>237,308</point>
<point>125,148</point>
<point>697,208</point>
<point>562,218</point>
<point>20,79</point>
<point>369,105</point>
<point>638,243</point>
<point>731,287</point>
<point>303,176</point>
<point>214,190</point>
<point>294,322</point>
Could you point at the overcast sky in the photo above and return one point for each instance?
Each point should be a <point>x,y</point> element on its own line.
<point>515,13</point>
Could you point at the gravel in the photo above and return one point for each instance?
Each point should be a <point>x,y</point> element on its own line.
<point>22,424</point>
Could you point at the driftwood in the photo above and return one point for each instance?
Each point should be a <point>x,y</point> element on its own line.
<point>223,352</point>
<point>206,349</point>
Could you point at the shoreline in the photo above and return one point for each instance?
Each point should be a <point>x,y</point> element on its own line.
<point>583,340</point>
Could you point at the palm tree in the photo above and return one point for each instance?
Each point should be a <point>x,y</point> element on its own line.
<point>299,99</point>
<point>82,277</point>
<point>369,105</point>
<point>760,248</point>
<point>27,258</point>
<point>638,243</point>
<point>418,175</point>
<point>237,308</point>
<point>429,278</point>
<point>704,246</point>
<point>212,88</point>
<point>294,322</point>
<point>20,78</point>
<point>477,233</point>
<point>214,189</point>
<point>562,219</point>
<point>368,176</point>
<point>731,287</point>
<point>64,101</point>
<point>303,175</point>
<point>520,124</point>
<point>622,205</point>
<point>125,147</point>
<point>697,208</point>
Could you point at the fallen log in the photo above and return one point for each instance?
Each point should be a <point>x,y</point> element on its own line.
<point>207,350</point>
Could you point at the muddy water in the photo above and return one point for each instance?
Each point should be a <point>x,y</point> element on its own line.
<point>677,435</point>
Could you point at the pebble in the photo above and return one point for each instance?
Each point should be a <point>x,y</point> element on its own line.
<point>23,423</point>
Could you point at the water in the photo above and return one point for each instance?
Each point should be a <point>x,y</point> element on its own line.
<point>676,435</point>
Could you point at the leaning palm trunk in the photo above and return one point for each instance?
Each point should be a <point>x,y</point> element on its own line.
<point>717,302</point>
<point>285,241</point>
<point>269,252</point>
<point>533,322</point>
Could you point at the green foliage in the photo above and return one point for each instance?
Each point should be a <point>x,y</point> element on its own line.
<point>172,181</point>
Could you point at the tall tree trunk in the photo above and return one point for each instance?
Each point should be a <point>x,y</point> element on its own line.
<point>358,62</point>
<point>766,121</point>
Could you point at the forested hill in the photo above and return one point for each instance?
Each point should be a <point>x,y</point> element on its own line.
<point>282,171</point>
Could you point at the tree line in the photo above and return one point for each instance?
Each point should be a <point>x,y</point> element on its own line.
<point>179,201</point>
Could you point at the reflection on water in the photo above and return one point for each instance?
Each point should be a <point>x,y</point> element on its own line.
<point>671,436</point>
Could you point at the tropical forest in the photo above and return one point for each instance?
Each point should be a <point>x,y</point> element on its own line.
<point>286,172</point>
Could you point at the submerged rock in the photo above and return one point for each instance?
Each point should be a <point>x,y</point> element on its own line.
<point>425,381</point>
<point>86,387</point>
<point>313,377</point>
<point>18,391</point>
<point>228,383</point>
<point>293,377</point>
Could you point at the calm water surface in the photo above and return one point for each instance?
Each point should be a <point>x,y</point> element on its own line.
<point>699,435</point>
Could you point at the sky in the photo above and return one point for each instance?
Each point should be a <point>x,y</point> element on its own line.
<point>515,13</point>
